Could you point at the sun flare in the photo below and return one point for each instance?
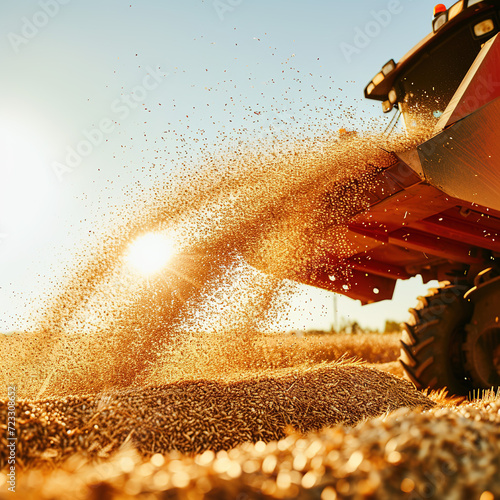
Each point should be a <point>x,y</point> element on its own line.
<point>150,253</point>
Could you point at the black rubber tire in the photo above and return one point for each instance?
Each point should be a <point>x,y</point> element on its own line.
<point>431,345</point>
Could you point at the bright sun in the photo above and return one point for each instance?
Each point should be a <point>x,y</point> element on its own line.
<point>150,253</point>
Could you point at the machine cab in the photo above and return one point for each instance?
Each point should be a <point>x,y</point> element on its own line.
<point>423,82</point>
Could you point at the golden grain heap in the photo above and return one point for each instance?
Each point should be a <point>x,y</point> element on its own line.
<point>443,453</point>
<point>200,415</point>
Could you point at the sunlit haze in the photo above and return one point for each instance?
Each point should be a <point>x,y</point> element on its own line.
<point>106,98</point>
<point>150,253</point>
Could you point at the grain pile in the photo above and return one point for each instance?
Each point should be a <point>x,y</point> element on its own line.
<point>451,453</point>
<point>195,416</point>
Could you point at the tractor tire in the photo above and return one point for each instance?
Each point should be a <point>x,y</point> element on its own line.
<point>432,341</point>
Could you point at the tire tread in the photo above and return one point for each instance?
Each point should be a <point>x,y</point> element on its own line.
<point>435,326</point>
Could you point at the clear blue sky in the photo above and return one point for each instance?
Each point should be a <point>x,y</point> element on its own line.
<point>66,63</point>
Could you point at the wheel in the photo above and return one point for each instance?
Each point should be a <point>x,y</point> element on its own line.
<point>432,342</point>
<point>482,345</point>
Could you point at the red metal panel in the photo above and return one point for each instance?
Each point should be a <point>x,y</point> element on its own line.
<point>461,230</point>
<point>413,227</point>
<point>436,245</point>
<point>464,160</point>
<point>415,203</point>
<point>480,86</point>
<point>357,285</point>
<point>367,264</point>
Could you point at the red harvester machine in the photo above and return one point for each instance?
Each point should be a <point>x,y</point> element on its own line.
<point>435,210</point>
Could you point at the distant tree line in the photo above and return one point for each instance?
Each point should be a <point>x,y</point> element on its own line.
<point>354,328</point>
